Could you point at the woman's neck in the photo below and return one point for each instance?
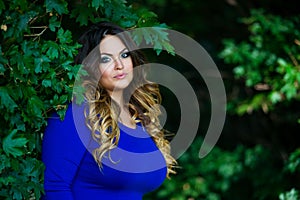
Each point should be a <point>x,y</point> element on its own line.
<point>117,96</point>
<point>124,116</point>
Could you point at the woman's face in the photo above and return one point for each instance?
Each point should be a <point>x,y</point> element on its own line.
<point>115,64</point>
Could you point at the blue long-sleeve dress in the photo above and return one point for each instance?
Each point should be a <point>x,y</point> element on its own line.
<point>137,166</point>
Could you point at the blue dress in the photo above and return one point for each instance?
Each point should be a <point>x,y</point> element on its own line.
<point>136,166</point>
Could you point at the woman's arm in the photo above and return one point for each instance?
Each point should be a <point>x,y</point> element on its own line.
<point>62,152</point>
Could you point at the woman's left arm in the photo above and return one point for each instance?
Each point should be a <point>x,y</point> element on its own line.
<point>62,153</point>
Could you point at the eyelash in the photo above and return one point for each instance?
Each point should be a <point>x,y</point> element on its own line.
<point>107,59</point>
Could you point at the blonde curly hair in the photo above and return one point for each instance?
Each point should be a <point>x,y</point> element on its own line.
<point>142,103</point>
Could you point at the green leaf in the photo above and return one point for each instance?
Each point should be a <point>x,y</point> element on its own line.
<point>2,6</point>
<point>53,23</point>
<point>127,22</point>
<point>6,100</point>
<point>275,97</point>
<point>64,36</point>
<point>40,64</point>
<point>35,106</point>
<point>97,4</point>
<point>156,36</point>
<point>239,71</point>
<point>293,194</point>
<point>78,94</point>
<point>4,162</point>
<point>46,83</point>
<point>82,14</point>
<point>51,49</point>
<point>137,36</point>
<point>58,5</point>
<point>3,61</point>
<point>169,48</point>
<point>158,47</point>
<point>147,18</point>
<point>11,145</point>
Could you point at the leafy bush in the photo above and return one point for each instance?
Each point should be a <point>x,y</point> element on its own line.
<point>241,173</point>
<point>268,61</point>
<point>290,195</point>
<point>292,166</point>
<point>37,75</point>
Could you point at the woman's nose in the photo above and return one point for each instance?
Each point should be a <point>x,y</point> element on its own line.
<point>118,64</point>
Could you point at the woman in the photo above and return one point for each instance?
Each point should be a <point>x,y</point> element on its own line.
<point>110,146</point>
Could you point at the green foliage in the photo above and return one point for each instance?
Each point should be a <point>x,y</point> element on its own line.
<point>292,166</point>
<point>11,146</point>
<point>293,163</point>
<point>37,75</point>
<point>155,36</point>
<point>241,173</point>
<point>268,61</point>
<point>290,195</point>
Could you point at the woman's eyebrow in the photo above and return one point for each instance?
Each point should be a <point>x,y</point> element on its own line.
<point>125,49</point>
<point>109,54</point>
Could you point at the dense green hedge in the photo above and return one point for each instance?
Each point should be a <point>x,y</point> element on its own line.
<point>37,75</point>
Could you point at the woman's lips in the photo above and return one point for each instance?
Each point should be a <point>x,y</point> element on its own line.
<point>120,76</point>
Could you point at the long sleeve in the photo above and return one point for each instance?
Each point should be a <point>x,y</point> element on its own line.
<point>62,153</point>
<point>72,173</point>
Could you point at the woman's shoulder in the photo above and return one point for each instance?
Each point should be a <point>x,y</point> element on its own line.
<point>67,111</point>
<point>70,126</point>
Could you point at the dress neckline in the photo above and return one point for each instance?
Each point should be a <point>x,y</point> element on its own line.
<point>138,132</point>
<point>128,127</point>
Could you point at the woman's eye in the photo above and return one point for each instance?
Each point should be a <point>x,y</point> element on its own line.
<point>105,59</point>
<point>125,55</point>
